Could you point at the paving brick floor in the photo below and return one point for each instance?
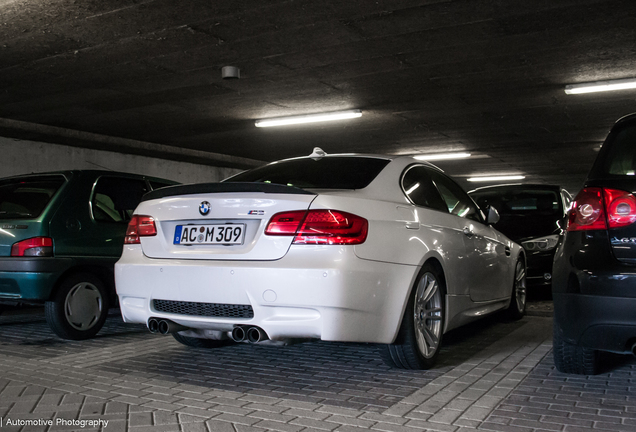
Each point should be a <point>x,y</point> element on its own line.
<point>493,375</point>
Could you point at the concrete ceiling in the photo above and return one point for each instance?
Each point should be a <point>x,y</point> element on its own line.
<point>484,76</point>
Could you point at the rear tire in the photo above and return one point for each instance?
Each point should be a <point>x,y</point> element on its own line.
<point>573,359</point>
<point>79,307</point>
<point>420,336</point>
<point>199,342</point>
<point>517,308</point>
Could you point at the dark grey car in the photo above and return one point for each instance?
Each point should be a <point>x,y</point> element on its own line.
<point>594,286</point>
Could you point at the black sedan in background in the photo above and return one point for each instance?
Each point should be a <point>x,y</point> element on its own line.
<point>532,215</point>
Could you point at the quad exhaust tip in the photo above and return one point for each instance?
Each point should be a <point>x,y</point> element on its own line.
<point>251,334</point>
<point>164,326</point>
<point>153,325</point>
<point>240,333</point>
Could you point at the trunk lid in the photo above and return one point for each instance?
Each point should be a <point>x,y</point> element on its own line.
<point>622,238</point>
<point>219,221</point>
<point>615,170</point>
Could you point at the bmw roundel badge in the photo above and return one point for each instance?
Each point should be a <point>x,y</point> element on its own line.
<point>204,208</point>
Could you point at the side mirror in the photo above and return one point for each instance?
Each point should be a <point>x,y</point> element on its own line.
<point>493,215</point>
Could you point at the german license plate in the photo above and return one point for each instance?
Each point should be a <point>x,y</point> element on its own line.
<point>225,234</point>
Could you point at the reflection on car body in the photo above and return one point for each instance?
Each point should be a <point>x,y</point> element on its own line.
<point>351,248</point>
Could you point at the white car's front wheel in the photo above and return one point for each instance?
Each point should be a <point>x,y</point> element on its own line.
<point>420,336</point>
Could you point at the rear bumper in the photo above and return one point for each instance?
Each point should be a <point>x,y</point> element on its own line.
<point>596,322</point>
<point>594,294</point>
<point>30,279</point>
<point>322,292</point>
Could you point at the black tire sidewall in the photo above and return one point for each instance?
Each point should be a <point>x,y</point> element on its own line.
<point>54,309</point>
<point>573,359</point>
<point>406,343</point>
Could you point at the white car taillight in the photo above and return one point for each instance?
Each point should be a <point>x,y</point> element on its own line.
<point>140,226</point>
<point>319,227</point>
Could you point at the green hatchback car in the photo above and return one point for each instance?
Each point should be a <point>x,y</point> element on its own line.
<point>60,236</point>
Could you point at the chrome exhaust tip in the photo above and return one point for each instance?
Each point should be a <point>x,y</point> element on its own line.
<point>255,335</point>
<point>167,327</point>
<point>238,334</point>
<point>153,325</point>
<point>164,326</point>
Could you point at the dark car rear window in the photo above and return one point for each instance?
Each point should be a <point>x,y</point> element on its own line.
<point>520,201</point>
<point>335,172</point>
<point>621,157</point>
<point>25,198</point>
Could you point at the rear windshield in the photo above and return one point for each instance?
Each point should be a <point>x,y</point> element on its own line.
<point>337,172</point>
<point>621,157</point>
<point>26,198</point>
<point>520,201</point>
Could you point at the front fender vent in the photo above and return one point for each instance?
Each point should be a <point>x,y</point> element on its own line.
<point>215,310</point>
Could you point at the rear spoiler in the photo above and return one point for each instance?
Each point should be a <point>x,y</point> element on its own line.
<point>229,187</point>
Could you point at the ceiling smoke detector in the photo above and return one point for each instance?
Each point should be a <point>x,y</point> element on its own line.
<point>230,72</point>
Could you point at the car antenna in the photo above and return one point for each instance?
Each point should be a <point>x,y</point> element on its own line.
<point>318,154</point>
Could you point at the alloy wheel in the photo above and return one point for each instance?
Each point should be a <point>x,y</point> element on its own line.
<point>427,312</point>
<point>520,286</point>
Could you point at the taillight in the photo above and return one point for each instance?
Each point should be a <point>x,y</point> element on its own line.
<point>620,207</point>
<point>602,208</point>
<point>320,227</point>
<point>286,223</point>
<point>588,212</point>
<point>140,226</point>
<point>36,246</point>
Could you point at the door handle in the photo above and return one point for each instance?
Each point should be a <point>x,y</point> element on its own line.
<point>413,225</point>
<point>468,232</point>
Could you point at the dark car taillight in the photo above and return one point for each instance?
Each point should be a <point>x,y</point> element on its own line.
<point>140,226</point>
<point>35,247</point>
<point>320,227</point>
<point>602,208</point>
<point>620,207</point>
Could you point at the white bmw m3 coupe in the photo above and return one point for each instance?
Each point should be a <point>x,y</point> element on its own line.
<point>350,248</point>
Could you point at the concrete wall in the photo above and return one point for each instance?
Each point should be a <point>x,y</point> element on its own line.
<point>24,157</point>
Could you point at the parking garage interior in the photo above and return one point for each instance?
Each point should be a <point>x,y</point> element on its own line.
<point>174,90</point>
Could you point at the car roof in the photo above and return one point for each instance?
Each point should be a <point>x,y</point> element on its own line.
<point>517,186</point>
<point>405,159</point>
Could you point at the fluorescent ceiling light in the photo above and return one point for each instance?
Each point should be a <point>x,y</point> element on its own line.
<point>600,86</point>
<point>496,178</point>
<point>311,118</point>
<point>442,156</point>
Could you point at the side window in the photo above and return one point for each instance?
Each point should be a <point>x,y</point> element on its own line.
<point>418,187</point>
<point>456,200</point>
<point>115,198</point>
